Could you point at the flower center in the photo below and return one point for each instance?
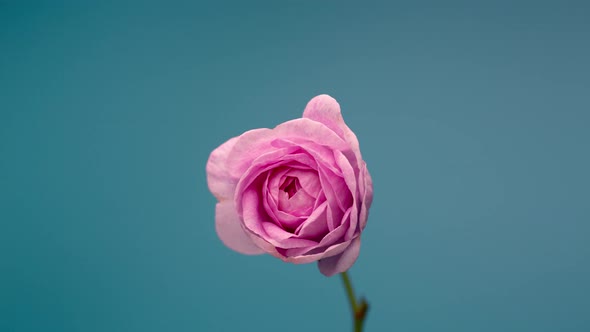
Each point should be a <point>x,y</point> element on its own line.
<point>290,186</point>
<point>294,198</point>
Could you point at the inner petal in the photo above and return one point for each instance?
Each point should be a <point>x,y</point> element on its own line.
<point>293,199</point>
<point>290,186</point>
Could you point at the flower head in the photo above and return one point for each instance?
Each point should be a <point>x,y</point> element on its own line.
<point>300,192</point>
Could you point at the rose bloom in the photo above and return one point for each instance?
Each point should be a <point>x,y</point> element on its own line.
<point>300,192</point>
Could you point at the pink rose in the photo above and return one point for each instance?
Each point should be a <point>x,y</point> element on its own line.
<point>300,192</point>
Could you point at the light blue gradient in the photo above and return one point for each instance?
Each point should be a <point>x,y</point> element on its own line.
<point>473,118</point>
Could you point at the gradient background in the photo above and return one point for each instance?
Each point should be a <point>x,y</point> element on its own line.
<point>473,119</point>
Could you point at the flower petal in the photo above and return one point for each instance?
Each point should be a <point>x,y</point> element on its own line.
<point>326,110</point>
<point>342,262</point>
<point>258,223</point>
<point>311,130</point>
<point>316,226</point>
<point>367,184</point>
<point>337,194</point>
<point>248,147</point>
<point>308,179</point>
<point>338,234</point>
<point>220,183</point>
<point>266,162</point>
<point>295,255</point>
<point>351,182</point>
<point>322,155</point>
<point>230,231</point>
<point>299,205</point>
<point>270,198</point>
<point>283,239</point>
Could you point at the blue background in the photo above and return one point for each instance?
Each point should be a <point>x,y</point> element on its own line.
<point>473,118</point>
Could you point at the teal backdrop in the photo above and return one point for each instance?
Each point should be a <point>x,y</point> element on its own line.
<point>472,116</point>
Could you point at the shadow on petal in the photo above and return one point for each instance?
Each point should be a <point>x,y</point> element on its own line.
<point>342,262</point>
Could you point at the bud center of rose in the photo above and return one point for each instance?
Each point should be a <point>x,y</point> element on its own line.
<point>290,186</point>
<point>297,195</point>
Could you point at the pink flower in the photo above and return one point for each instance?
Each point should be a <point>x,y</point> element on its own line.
<point>300,192</point>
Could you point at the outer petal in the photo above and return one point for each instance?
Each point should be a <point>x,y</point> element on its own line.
<point>367,199</point>
<point>321,154</point>
<point>326,110</point>
<point>221,184</point>
<point>248,147</point>
<point>351,182</point>
<point>230,231</point>
<point>332,250</point>
<point>330,245</point>
<point>252,144</point>
<point>337,264</point>
<point>313,131</point>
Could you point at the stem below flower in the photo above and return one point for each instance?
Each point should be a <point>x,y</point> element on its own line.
<point>359,309</point>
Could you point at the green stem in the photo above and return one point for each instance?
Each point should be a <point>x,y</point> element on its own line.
<point>359,309</point>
